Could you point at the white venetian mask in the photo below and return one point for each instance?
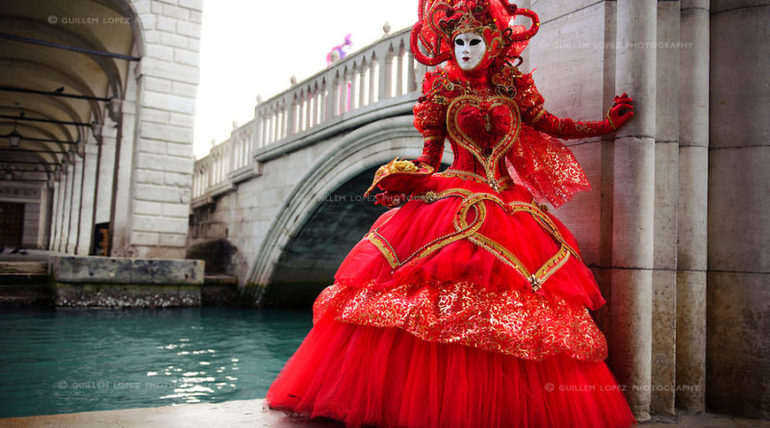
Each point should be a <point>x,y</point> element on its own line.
<point>469,50</point>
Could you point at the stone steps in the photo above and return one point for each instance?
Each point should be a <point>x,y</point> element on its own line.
<point>25,284</point>
<point>11,271</point>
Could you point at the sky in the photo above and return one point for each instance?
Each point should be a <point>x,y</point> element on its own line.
<point>253,47</point>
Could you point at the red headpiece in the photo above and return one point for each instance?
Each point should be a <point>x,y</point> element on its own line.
<point>440,21</point>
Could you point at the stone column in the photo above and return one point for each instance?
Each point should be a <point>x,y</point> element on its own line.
<point>693,197</point>
<point>77,192</point>
<point>44,216</point>
<point>120,221</point>
<point>87,200</point>
<point>66,210</point>
<point>373,89</point>
<point>666,196</point>
<point>53,215</point>
<point>385,58</point>
<point>634,205</point>
<point>738,345</point>
<point>258,128</point>
<point>331,88</point>
<point>106,169</point>
<point>62,189</point>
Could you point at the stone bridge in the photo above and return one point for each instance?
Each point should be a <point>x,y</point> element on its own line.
<point>280,203</point>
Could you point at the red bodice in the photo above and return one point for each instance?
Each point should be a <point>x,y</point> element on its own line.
<point>499,130</point>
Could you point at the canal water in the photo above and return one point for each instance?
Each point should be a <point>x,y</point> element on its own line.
<point>64,361</point>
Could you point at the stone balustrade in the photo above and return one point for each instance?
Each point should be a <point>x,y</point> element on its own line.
<point>371,79</point>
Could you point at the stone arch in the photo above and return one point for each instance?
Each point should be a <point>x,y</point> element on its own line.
<point>364,149</point>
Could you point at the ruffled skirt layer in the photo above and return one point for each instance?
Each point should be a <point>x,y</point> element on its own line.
<point>387,377</point>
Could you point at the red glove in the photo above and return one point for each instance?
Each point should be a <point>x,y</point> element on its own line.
<point>618,115</point>
<point>390,199</point>
<point>622,111</point>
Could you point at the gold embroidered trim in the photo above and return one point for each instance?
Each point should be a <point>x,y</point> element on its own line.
<point>513,322</point>
<point>538,116</point>
<point>500,148</point>
<point>470,230</point>
<point>502,184</point>
<point>385,248</point>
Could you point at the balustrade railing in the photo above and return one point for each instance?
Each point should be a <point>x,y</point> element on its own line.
<point>362,82</point>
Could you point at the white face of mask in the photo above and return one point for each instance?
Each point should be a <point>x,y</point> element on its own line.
<point>469,50</point>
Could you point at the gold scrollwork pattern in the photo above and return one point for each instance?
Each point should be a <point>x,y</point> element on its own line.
<point>500,147</point>
<point>474,203</point>
<point>513,322</point>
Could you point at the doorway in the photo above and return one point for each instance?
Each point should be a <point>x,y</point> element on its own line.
<point>11,224</point>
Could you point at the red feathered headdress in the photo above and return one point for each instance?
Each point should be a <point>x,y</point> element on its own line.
<point>440,21</point>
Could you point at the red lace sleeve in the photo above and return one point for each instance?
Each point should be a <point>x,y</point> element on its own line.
<point>541,162</point>
<point>530,104</point>
<point>430,120</point>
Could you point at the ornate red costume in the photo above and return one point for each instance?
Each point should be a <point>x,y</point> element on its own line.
<point>468,305</point>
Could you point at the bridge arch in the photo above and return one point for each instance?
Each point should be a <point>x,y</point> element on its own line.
<point>352,159</point>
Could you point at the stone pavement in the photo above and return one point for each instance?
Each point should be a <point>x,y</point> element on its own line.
<point>250,413</point>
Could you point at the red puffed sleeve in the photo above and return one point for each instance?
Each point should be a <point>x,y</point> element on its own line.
<point>430,119</point>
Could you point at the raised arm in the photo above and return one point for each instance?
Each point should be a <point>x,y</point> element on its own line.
<point>532,112</point>
<point>430,120</point>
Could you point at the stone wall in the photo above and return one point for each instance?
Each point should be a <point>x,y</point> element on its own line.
<point>136,172</point>
<point>738,366</point>
<point>98,282</point>
<point>159,187</point>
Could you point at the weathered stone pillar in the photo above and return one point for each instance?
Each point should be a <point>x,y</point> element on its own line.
<point>634,205</point>
<point>77,192</point>
<point>106,170</point>
<point>56,215</point>
<point>666,197</point>
<point>87,200</point>
<point>61,245</point>
<point>53,215</point>
<point>121,209</point>
<point>693,197</point>
<point>63,189</point>
<point>738,345</point>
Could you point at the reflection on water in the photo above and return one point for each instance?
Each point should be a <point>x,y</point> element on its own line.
<point>81,360</point>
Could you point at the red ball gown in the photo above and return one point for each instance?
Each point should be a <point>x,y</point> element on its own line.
<point>467,306</point>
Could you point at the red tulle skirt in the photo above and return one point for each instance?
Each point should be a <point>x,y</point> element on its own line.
<point>457,336</point>
<point>386,377</point>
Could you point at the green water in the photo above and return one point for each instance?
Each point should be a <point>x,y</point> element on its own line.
<point>68,361</point>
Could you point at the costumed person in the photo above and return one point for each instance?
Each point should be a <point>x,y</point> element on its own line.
<point>468,304</point>
<point>340,51</point>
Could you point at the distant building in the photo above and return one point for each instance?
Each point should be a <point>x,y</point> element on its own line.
<point>96,125</point>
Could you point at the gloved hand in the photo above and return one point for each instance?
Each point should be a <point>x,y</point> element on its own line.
<point>390,199</point>
<point>622,111</point>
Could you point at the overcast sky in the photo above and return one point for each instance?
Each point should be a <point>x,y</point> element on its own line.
<point>251,47</point>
